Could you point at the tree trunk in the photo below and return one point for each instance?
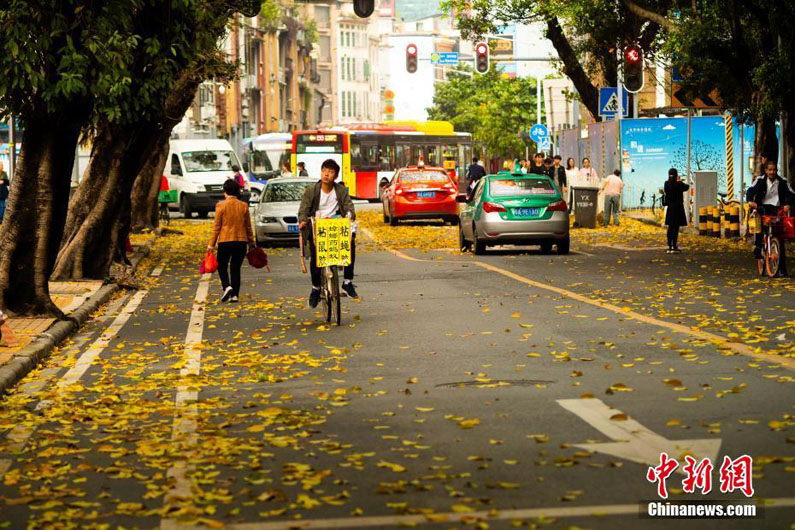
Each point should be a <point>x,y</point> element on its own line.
<point>146,188</point>
<point>91,234</point>
<point>36,213</point>
<point>589,94</point>
<point>765,143</point>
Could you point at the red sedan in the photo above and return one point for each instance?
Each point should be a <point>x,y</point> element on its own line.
<point>418,192</point>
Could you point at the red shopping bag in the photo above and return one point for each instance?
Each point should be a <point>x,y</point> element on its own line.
<point>788,228</point>
<point>257,258</point>
<point>209,264</point>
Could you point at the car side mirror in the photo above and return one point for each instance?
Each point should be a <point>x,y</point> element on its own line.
<point>462,198</point>
<point>176,171</point>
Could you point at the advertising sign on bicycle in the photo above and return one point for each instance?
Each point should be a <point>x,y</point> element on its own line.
<point>333,242</point>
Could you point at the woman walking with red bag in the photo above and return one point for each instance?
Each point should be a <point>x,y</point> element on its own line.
<point>233,234</point>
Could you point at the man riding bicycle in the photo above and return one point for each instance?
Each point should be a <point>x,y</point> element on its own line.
<point>767,195</point>
<point>328,198</point>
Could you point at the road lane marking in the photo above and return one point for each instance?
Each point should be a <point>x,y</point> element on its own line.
<point>633,441</point>
<point>453,517</point>
<point>719,341</point>
<point>20,434</point>
<point>187,410</point>
<point>157,271</point>
<point>85,361</point>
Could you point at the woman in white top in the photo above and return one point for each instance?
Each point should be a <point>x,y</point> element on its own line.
<point>572,172</point>
<point>588,175</point>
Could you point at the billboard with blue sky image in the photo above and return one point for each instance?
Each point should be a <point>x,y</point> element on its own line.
<point>649,147</point>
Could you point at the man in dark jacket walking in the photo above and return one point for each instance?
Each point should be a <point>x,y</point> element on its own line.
<point>768,194</point>
<point>475,172</point>
<point>328,198</point>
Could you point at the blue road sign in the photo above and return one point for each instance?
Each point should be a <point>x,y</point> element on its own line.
<point>608,102</point>
<point>538,132</point>
<point>444,58</point>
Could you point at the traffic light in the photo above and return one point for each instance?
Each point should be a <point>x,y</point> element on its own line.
<point>481,57</point>
<point>363,8</point>
<point>411,58</point>
<point>633,69</point>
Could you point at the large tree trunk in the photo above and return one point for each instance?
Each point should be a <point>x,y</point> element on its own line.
<point>36,213</point>
<point>589,93</point>
<point>103,198</point>
<point>765,143</point>
<point>91,234</point>
<point>146,188</point>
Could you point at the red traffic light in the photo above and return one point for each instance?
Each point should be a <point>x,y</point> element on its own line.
<point>632,54</point>
<point>481,57</point>
<point>411,58</point>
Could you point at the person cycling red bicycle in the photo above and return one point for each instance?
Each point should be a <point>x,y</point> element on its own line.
<point>768,195</point>
<point>329,198</point>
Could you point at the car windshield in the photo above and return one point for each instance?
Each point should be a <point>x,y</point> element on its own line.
<point>284,191</point>
<point>201,161</point>
<point>423,177</point>
<point>520,187</point>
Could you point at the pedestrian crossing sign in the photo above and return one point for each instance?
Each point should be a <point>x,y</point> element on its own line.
<point>608,102</point>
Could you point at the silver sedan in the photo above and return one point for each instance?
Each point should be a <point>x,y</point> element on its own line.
<point>276,215</point>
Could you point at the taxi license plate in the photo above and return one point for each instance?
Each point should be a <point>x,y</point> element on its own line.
<point>525,212</point>
<point>426,194</point>
<point>292,228</point>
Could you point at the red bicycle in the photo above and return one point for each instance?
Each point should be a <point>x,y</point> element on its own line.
<point>776,229</point>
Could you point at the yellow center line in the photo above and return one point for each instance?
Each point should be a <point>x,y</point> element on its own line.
<point>719,341</point>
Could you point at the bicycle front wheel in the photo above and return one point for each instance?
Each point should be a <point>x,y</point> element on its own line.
<point>773,256</point>
<point>334,303</point>
<point>325,293</point>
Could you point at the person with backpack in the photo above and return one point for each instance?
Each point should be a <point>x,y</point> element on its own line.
<point>233,234</point>
<point>238,177</point>
<point>674,198</point>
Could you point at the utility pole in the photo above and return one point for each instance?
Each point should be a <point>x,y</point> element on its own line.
<point>12,146</point>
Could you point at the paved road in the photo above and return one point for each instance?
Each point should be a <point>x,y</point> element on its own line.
<point>455,386</point>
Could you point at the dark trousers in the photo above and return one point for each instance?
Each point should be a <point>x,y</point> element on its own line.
<point>230,257</point>
<point>314,271</point>
<point>673,236</point>
<point>766,209</point>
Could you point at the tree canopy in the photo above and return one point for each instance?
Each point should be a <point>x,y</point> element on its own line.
<point>491,107</point>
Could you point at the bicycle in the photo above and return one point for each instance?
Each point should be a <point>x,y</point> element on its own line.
<point>775,231</point>
<point>330,293</point>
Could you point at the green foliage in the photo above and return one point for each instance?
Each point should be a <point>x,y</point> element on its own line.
<point>310,31</point>
<point>491,107</point>
<point>270,17</point>
<point>58,54</point>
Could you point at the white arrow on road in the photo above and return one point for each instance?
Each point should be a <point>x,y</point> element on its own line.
<point>633,441</point>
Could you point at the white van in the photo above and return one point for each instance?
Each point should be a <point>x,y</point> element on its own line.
<point>197,170</point>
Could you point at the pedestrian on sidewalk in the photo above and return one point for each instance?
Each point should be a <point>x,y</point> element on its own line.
<point>674,193</point>
<point>238,177</point>
<point>588,175</point>
<point>538,165</point>
<point>234,236</point>
<point>612,187</point>
<point>4,190</point>
<point>286,170</point>
<point>474,174</point>
<point>558,174</point>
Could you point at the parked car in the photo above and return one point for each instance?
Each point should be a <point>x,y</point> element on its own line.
<point>514,209</point>
<point>419,192</point>
<point>197,170</point>
<point>276,215</point>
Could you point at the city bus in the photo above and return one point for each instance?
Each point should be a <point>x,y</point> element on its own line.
<point>264,155</point>
<point>369,153</point>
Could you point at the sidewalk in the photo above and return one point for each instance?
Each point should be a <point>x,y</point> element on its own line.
<point>19,332</point>
<point>26,341</point>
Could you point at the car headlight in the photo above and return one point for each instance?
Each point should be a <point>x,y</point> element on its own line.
<point>265,220</point>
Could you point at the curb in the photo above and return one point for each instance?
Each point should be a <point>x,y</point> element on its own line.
<point>25,360</point>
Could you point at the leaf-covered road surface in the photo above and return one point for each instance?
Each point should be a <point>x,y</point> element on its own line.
<point>449,398</point>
